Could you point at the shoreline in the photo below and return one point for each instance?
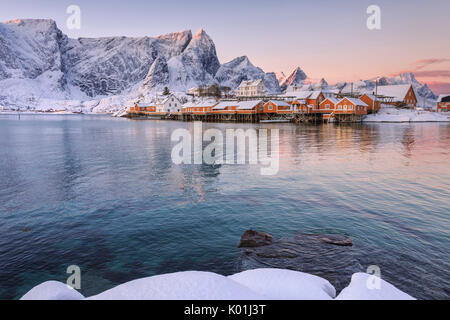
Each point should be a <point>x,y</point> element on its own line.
<point>12,113</point>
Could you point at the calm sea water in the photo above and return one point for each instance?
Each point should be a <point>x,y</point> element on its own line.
<point>102,193</point>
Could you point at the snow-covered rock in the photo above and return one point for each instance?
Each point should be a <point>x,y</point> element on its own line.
<point>52,290</point>
<point>364,286</point>
<point>286,284</point>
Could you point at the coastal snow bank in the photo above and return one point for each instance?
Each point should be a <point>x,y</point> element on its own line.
<point>189,285</point>
<point>389,114</point>
<point>286,284</point>
<point>364,286</point>
<point>52,290</point>
<point>258,284</point>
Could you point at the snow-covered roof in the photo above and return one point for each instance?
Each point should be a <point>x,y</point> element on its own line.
<point>356,102</point>
<point>301,101</point>
<point>442,96</point>
<point>145,104</point>
<point>248,105</point>
<point>250,83</point>
<point>280,103</point>
<point>371,96</point>
<point>225,104</point>
<point>333,100</point>
<point>189,105</point>
<point>314,94</point>
<point>398,92</point>
<point>303,94</point>
<point>205,104</point>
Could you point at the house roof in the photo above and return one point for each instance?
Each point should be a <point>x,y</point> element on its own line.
<point>249,83</point>
<point>444,98</point>
<point>356,102</point>
<point>225,104</point>
<point>303,94</point>
<point>144,104</point>
<point>280,103</point>
<point>248,105</point>
<point>371,96</point>
<point>333,100</point>
<point>398,92</point>
<point>315,94</point>
<point>206,104</point>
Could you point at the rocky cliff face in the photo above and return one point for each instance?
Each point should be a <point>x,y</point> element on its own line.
<point>232,73</point>
<point>42,68</point>
<point>39,64</point>
<point>297,77</point>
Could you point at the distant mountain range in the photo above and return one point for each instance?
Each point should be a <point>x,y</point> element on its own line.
<point>41,68</point>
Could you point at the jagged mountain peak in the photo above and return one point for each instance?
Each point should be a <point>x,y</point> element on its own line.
<point>42,23</point>
<point>44,64</point>
<point>280,77</point>
<point>296,77</point>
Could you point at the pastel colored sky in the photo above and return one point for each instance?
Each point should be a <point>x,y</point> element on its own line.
<point>325,38</point>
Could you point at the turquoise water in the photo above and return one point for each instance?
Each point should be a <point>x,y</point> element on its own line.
<point>102,193</point>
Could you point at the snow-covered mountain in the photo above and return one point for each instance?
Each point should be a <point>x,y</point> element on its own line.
<point>422,90</point>
<point>232,73</point>
<point>41,68</point>
<point>297,77</point>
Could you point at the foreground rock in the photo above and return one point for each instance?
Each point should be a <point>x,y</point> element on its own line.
<point>253,239</point>
<point>332,257</point>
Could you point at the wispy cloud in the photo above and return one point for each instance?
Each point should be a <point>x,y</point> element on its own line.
<point>433,74</point>
<point>420,64</point>
<point>417,67</point>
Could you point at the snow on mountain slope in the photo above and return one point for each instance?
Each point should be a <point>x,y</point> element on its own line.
<point>296,77</point>
<point>29,48</point>
<point>280,77</point>
<point>422,90</point>
<point>196,66</point>
<point>232,73</point>
<point>41,68</point>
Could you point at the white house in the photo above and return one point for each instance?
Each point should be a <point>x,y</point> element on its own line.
<point>169,103</point>
<point>252,88</point>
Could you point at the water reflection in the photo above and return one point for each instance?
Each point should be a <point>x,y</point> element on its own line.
<point>105,194</point>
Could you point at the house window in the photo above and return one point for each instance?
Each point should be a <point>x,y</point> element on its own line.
<point>340,107</point>
<point>270,107</point>
<point>327,106</point>
<point>350,107</point>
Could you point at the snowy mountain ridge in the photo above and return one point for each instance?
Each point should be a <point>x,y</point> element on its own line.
<point>41,68</point>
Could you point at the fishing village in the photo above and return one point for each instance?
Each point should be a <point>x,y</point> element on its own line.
<point>298,104</point>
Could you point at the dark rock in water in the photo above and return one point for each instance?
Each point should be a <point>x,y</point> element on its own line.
<point>329,256</point>
<point>252,239</point>
<point>337,240</point>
